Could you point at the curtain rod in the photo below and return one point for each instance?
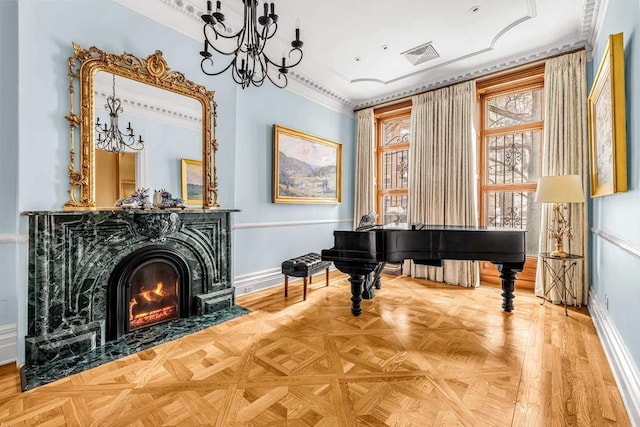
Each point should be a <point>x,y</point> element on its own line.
<point>480,78</point>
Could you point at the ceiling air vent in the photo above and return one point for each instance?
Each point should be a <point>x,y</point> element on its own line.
<point>420,54</point>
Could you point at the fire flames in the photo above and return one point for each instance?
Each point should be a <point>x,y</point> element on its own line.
<point>152,306</point>
<point>154,294</point>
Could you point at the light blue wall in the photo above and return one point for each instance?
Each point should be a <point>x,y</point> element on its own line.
<point>258,109</point>
<point>52,26</point>
<point>614,272</point>
<point>35,153</point>
<point>8,160</point>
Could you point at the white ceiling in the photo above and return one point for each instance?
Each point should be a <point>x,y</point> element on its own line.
<point>500,34</point>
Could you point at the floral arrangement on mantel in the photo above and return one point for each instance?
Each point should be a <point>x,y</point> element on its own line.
<point>140,199</point>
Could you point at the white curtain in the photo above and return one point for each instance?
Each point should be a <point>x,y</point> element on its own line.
<point>365,170</point>
<point>442,171</point>
<point>565,153</point>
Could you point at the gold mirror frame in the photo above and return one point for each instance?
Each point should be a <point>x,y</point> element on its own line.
<point>153,71</point>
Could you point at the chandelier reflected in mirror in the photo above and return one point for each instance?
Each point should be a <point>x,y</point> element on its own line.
<point>249,64</point>
<point>111,138</point>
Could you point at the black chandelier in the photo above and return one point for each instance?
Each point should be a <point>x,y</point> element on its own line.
<point>250,64</point>
<point>112,138</point>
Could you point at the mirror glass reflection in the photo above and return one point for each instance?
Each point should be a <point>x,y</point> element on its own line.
<point>159,129</point>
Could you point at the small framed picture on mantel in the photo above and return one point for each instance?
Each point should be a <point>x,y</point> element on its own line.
<point>192,184</point>
<point>306,168</point>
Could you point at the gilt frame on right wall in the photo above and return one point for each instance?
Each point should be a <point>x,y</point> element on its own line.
<point>607,123</point>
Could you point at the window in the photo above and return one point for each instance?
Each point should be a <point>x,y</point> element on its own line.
<point>510,146</point>
<point>392,170</point>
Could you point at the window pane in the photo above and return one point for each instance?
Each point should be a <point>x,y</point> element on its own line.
<point>395,170</point>
<point>513,158</point>
<point>515,210</point>
<point>394,208</point>
<point>514,109</point>
<point>395,131</point>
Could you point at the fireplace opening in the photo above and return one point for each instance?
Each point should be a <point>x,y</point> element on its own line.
<point>153,294</point>
<point>148,287</point>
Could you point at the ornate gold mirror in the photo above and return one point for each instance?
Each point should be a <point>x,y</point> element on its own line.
<point>140,125</point>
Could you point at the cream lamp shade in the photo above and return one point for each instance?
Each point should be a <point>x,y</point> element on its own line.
<point>560,189</point>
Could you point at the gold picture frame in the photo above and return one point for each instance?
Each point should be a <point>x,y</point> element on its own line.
<point>306,168</point>
<point>192,182</point>
<point>607,123</point>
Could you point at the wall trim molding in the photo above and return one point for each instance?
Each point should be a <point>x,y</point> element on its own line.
<point>624,369</point>
<point>244,225</point>
<point>14,238</point>
<point>623,244</point>
<point>8,343</point>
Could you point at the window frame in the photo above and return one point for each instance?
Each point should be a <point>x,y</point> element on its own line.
<point>501,85</point>
<point>381,115</point>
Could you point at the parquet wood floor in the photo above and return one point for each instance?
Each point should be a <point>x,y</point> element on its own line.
<point>421,354</point>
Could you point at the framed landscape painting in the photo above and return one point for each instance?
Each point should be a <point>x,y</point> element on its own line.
<point>192,181</point>
<point>306,168</point>
<point>607,122</point>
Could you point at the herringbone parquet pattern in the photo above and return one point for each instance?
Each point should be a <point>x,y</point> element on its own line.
<point>421,354</point>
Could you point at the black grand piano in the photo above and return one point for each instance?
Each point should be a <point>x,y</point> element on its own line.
<point>358,253</point>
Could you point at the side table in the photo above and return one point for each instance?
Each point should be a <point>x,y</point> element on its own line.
<point>562,271</point>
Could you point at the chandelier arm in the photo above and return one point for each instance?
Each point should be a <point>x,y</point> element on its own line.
<point>263,71</point>
<point>280,76</point>
<point>269,34</point>
<point>206,37</point>
<point>297,49</point>
<point>212,64</point>
<point>221,34</point>
<point>238,77</point>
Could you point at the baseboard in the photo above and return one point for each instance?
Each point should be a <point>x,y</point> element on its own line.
<point>624,369</point>
<point>8,343</point>
<point>264,279</point>
<point>258,280</point>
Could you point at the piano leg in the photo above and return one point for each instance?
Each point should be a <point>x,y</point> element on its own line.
<point>508,277</point>
<point>356,293</point>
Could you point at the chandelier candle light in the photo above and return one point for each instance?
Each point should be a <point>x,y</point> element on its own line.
<point>250,64</point>
<point>560,190</point>
<point>112,138</point>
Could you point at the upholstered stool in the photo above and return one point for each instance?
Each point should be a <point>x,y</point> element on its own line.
<point>304,266</point>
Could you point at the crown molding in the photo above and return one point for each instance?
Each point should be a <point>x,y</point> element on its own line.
<point>180,15</point>
<point>600,10</point>
<point>316,92</point>
<point>475,73</point>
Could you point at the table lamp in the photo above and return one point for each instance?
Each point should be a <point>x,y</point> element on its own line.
<point>559,190</point>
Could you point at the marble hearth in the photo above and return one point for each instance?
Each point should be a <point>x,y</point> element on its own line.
<point>74,260</point>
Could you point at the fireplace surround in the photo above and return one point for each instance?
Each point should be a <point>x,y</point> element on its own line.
<point>93,273</point>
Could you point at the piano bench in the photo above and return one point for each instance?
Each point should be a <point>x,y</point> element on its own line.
<point>304,266</point>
